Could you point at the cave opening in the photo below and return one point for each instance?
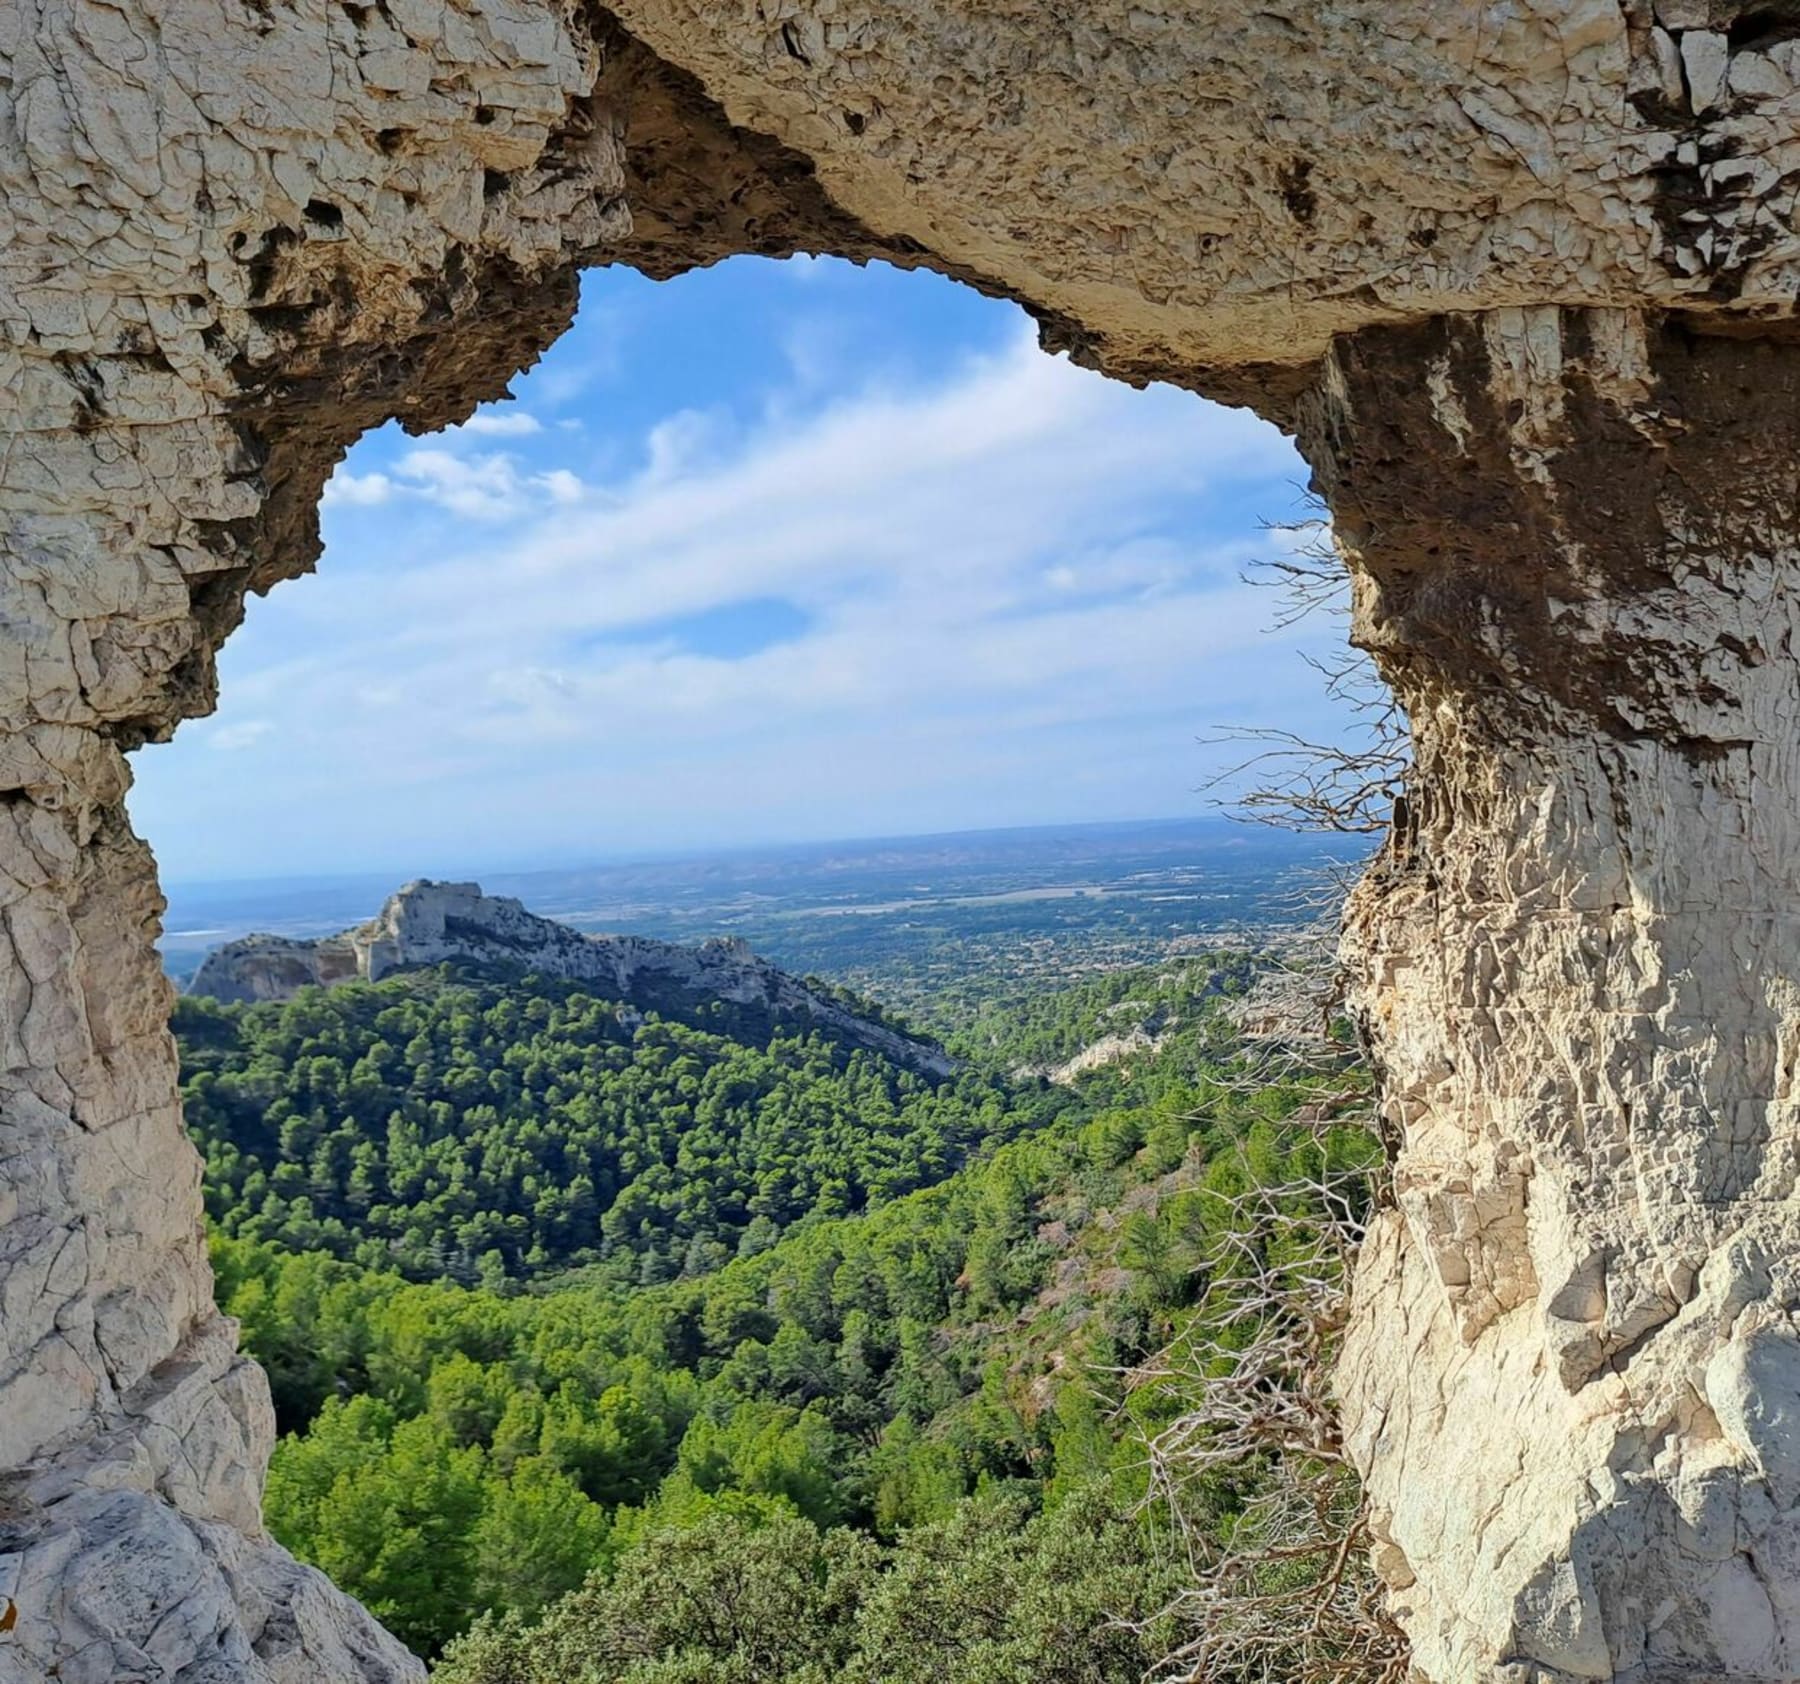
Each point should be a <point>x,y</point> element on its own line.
<point>1518,277</point>
<point>775,550</point>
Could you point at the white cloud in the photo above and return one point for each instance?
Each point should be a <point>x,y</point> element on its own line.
<point>530,686</point>
<point>1021,464</point>
<point>678,443</point>
<point>560,486</point>
<point>486,486</point>
<point>363,490</point>
<point>480,487</point>
<point>502,423</point>
<point>242,734</point>
<point>1018,580</point>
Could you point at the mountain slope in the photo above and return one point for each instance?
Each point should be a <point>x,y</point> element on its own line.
<point>952,1359</point>
<point>478,1121</point>
<point>429,923</point>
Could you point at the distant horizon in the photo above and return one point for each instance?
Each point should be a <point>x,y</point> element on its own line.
<point>652,856</point>
<point>1089,887</point>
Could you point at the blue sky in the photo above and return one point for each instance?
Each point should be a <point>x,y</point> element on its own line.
<point>775,551</point>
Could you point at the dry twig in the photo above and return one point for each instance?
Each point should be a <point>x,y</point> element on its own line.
<point>1349,787</point>
<point>1288,1597</point>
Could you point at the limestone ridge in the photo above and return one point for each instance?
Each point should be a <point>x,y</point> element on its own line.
<point>428,923</point>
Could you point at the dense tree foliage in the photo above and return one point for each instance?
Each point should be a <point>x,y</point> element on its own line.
<point>668,1349</point>
<point>994,1594</point>
<point>1174,1004</point>
<point>487,1128</point>
<point>466,1449</point>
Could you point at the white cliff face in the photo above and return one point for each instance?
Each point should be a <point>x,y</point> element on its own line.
<point>428,923</point>
<point>1573,1378</point>
<point>177,184</point>
<point>1483,252</point>
<point>133,1435</point>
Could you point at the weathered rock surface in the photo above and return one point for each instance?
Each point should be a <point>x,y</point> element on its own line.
<point>1109,1049</point>
<point>1574,1373</point>
<point>1523,272</point>
<point>428,923</point>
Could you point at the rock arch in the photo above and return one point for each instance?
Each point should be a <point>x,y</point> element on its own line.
<point>1522,277</point>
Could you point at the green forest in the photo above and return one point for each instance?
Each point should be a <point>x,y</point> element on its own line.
<point>487,1129</point>
<point>617,1349</point>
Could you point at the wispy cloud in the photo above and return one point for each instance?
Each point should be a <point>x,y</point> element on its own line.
<point>502,423</point>
<point>484,486</point>
<point>240,734</point>
<point>363,490</point>
<point>1014,593</point>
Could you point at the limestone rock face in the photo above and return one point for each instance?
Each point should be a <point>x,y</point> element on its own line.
<point>1573,1380</point>
<point>427,923</point>
<point>1523,274</point>
<point>1210,193</point>
<point>266,967</point>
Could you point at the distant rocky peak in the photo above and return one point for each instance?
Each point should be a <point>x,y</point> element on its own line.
<point>429,923</point>
<point>425,923</point>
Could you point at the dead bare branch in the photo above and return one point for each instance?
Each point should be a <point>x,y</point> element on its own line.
<point>1350,787</point>
<point>1287,1594</point>
<point>1283,1590</point>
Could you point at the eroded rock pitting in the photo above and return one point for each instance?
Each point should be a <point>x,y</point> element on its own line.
<point>1522,274</point>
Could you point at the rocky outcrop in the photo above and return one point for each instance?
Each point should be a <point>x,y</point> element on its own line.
<point>1096,1055</point>
<point>267,967</point>
<point>430,923</point>
<point>1574,1373</point>
<point>1523,274</point>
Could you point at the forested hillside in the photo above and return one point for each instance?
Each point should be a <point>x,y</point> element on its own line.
<point>1019,1028</point>
<point>447,1123</point>
<point>864,1347</point>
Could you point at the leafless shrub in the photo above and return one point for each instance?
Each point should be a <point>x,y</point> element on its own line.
<point>1253,1475</point>
<point>1282,1590</point>
<point>1286,1595</point>
<point>1291,1024</point>
<point>1290,1020</point>
<point>1345,788</point>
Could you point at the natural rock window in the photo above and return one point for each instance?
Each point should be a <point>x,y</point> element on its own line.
<point>1522,278</point>
<point>774,550</point>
